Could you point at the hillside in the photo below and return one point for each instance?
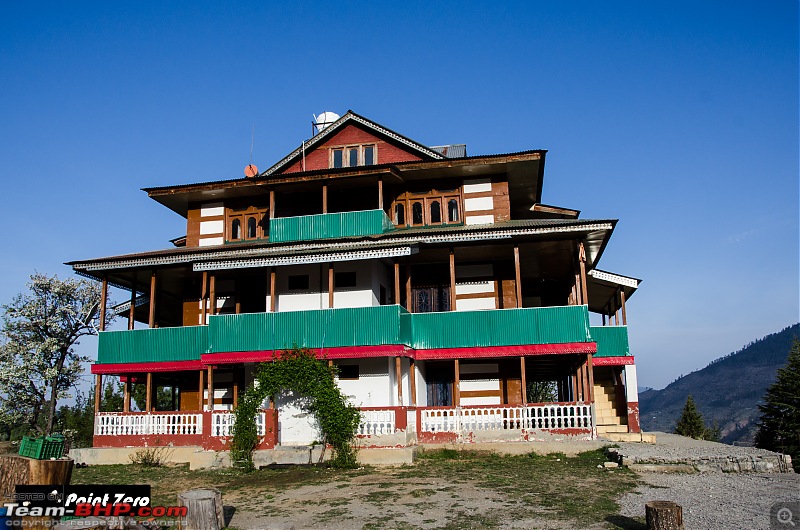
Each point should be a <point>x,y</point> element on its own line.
<point>728,390</point>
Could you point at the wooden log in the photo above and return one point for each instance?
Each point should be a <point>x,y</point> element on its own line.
<point>16,469</point>
<point>204,509</point>
<point>663,515</point>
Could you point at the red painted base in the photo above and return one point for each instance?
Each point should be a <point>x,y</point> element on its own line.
<point>633,417</point>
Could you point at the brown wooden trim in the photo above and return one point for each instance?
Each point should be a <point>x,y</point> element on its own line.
<point>98,392</point>
<point>380,194</point>
<point>517,276</point>
<point>212,292</point>
<point>202,386</point>
<point>453,281</point>
<point>211,387</point>
<point>475,213</point>
<point>331,285</point>
<point>148,400</point>
<point>481,393</point>
<point>489,294</point>
<point>412,376</point>
<point>523,381</point>
<point>398,371</point>
<point>152,319</point>
<point>272,298</point>
<point>126,398</point>
<point>590,373</point>
<point>396,282</point>
<point>457,385</point>
<point>272,204</point>
<point>235,389</point>
<point>622,303</point>
<point>324,198</point>
<point>409,305</point>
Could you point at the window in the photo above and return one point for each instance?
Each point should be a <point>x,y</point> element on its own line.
<point>251,228</point>
<point>399,214</point>
<point>369,155</point>
<point>298,282</point>
<point>246,221</point>
<point>452,211</point>
<point>416,213</point>
<point>344,279</point>
<point>436,212</point>
<point>352,156</point>
<point>236,229</point>
<point>338,158</point>
<point>348,371</point>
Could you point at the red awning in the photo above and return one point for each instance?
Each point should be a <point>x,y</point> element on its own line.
<point>613,361</point>
<point>141,368</point>
<point>507,351</point>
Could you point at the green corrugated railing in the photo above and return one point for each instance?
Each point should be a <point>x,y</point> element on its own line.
<point>329,225</point>
<point>152,345</point>
<point>612,341</point>
<point>502,327</point>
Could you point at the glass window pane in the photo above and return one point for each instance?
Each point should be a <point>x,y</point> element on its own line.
<point>352,157</point>
<point>452,211</point>
<point>399,214</point>
<point>369,155</point>
<point>436,212</point>
<point>251,227</point>
<point>236,229</point>
<point>416,213</point>
<point>338,160</point>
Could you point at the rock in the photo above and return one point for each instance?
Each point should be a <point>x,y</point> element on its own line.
<point>610,465</point>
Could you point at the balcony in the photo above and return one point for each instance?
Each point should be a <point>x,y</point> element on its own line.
<point>329,226</point>
<point>152,345</point>
<point>612,341</point>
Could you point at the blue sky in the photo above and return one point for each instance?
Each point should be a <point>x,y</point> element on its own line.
<point>679,119</point>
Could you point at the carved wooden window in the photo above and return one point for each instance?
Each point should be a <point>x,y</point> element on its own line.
<point>452,211</point>
<point>246,223</point>
<point>427,208</point>
<point>416,213</point>
<point>252,227</point>
<point>236,229</point>
<point>399,214</point>
<point>436,212</point>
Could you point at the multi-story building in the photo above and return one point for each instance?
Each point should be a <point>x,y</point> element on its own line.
<point>453,301</point>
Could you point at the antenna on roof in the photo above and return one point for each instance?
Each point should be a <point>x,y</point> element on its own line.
<point>323,121</point>
<point>250,169</point>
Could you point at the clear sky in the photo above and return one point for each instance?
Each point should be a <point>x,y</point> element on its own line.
<point>678,118</point>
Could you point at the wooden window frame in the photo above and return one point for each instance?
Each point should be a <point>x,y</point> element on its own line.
<point>345,149</point>
<point>243,214</point>
<point>408,198</point>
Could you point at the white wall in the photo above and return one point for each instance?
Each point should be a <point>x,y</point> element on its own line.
<point>370,275</point>
<point>373,388</point>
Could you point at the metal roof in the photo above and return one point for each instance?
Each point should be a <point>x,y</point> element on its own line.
<point>451,150</point>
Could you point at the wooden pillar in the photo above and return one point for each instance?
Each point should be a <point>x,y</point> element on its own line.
<point>98,392</point>
<point>126,398</point>
<point>235,388</point>
<point>573,379</point>
<point>457,385</point>
<point>452,280</point>
<point>396,282</point>
<point>148,400</point>
<point>380,194</point>
<point>272,204</point>
<point>517,276</point>
<point>412,376</point>
<point>590,373</point>
<point>622,304</point>
<point>200,392</point>
<point>132,310</point>
<point>273,299</point>
<point>324,198</point>
<point>152,319</point>
<point>204,299</point>
<point>582,261</point>
<point>523,380</point>
<point>210,388</point>
<point>409,305</point>
<point>331,285</point>
<point>398,375</point>
<point>578,290</point>
<point>103,301</point>
<point>212,292</point>
<point>238,294</point>
<point>616,317</point>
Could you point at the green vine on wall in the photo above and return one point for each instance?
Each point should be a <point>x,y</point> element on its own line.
<point>299,371</point>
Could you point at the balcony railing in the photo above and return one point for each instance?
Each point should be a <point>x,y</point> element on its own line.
<point>329,225</point>
<point>549,416</point>
<point>612,341</point>
<point>145,423</point>
<point>152,345</point>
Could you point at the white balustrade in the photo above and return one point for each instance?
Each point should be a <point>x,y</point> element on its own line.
<point>375,422</point>
<point>222,423</point>
<point>498,418</point>
<point>144,423</point>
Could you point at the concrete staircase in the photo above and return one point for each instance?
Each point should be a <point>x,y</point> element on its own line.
<point>608,419</point>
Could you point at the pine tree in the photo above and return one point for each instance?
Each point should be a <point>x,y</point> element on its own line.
<point>691,421</point>
<point>779,426</point>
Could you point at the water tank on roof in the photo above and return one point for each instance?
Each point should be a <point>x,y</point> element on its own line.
<point>324,120</point>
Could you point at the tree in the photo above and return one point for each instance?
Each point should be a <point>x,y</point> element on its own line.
<point>76,422</point>
<point>38,364</point>
<point>691,422</point>
<point>779,426</point>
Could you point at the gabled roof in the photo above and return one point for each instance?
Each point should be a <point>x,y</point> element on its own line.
<point>352,117</point>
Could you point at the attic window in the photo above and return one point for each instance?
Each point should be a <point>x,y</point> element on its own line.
<point>353,156</point>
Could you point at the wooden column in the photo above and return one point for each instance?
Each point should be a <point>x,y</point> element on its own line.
<point>210,388</point>
<point>152,319</point>
<point>331,286</point>
<point>409,305</point>
<point>456,385</point>
<point>590,374</point>
<point>324,198</point>
<point>517,276</point>
<point>380,194</point>
<point>212,292</point>
<point>126,398</point>
<point>578,290</point>
<point>200,392</point>
<point>103,301</point>
<point>272,298</point>
<point>98,392</point>
<point>272,204</point>
<point>398,375</point>
<point>204,299</point>
<point>412,376</point>
<point>132,310</point>
<point>622,304</point>
<point>148,400</point>
<point>238,294</point>
<point>573,378</point>
<point>235,389</point>
<point>523,380</point>
<point>396,282</point>
<point>452,280</point>
<point>582,261</point>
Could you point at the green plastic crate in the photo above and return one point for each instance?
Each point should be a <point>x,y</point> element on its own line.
<point>42,448</point>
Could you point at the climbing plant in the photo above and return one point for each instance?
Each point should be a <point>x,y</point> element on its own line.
<point>312,380</point>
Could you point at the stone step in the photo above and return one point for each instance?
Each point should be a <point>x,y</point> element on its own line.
<point>630,437</point>
<point>604,429</point>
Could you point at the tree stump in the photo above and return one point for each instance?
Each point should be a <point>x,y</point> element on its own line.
<point>663,515</point>
<point>204,509</point>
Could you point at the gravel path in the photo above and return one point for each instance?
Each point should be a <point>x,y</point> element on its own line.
<point>714,501</point>
<point>672,447</point>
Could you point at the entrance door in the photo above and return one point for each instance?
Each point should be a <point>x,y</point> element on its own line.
<point>439,377</point>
